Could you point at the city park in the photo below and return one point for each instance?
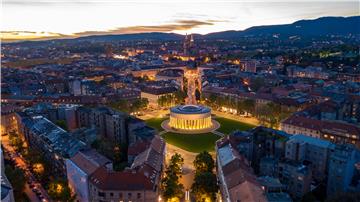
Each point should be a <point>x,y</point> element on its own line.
<point>193,126</point>
<point>191,131</point>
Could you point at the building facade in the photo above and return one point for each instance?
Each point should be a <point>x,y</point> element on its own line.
<point>305,148</point>
<point>344,170</point>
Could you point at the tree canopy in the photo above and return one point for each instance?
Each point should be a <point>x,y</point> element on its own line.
<point>59,190</point>
<point>172,189</point>
<point>204,162</point>
<point>205,186</point>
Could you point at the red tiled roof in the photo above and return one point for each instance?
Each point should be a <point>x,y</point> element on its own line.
<point>138,148</point>
<point>321,125</point>
<point>126,180</point>
<point>85,164</point>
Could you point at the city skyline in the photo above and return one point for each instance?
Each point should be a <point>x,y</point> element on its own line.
<point>27,20</point>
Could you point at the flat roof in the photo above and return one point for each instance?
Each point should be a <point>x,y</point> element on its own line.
<point>225,154</point>
<point>311,140</point>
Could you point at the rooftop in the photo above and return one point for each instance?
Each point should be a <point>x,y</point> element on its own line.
<point>225,154</point>
<point>311,140</point>
<point>126,180</point>
<point>89,160</point>
<point>190,109</point>
<point>60,140</point>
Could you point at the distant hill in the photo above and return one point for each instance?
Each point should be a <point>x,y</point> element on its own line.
<point>303,28</point>
<point>318,27</point>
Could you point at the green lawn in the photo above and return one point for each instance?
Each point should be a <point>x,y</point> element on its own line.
<point>156,123</point>
<point>198,142</point>
<point>229,125</point>
<point>192,142</point>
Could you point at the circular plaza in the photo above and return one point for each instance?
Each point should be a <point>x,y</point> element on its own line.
<point>190,119</point>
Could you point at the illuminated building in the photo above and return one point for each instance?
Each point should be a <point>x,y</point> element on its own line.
<point>193,82</point>
<point>188,44</point>
<point>190,117</point>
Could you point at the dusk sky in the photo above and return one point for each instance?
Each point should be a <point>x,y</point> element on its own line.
<point>34,19</point>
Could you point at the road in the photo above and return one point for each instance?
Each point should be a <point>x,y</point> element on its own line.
<point>21,163</point>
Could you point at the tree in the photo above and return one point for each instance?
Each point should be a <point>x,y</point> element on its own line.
<point>121,105</point>
<point>204,162</point>
<point>61,124</point>
<point>139,104</point>
<point>205,186</point>
<point>166,100</point>
<point>17,142</point>
<point>59,190</point>
<point>179,97</point>
<point>271,114</point>
<point>176,162</point>
<point>171,187</point>
<point>249,106</point>
<point>212,98</point>
<point>41,168</point>
<point>257,83</point>
<point>17,180</point>
<point>205,183</point>
<point>120,157</point>
<point>240,107</point>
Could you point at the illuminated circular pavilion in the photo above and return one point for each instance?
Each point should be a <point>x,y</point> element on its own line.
<point>190,117</point>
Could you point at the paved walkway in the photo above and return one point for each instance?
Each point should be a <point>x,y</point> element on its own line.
<point>248,120</point>
<point>218,133</point>
<point>188,167</point>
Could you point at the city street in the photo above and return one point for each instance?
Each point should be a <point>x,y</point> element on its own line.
<point>21,163</point>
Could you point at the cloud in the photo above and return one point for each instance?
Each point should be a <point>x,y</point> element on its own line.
<point>9,36</point>
<point>178,25</point>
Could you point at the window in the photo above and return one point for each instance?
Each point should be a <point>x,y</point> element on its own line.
<point>129,195</point>
<point>139,195</point>
<point>120,195</point>
<point>111,194</point>
<point>101,194</point>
